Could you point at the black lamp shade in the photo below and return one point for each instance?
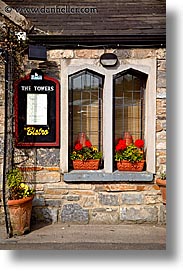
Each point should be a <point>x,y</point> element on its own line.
<point>37,52</point>
<point>108,59</point>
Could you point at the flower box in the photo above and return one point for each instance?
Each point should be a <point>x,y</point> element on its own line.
<point>91,164</point>
<point>125,165</point>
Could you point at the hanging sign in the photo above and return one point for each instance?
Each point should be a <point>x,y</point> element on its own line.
<point>37,101</point>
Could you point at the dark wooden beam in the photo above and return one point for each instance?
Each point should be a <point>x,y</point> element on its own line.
<point>107,41</point>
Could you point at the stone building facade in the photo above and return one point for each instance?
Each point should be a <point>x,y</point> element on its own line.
<point>109,198</point>
<point>96,202</point>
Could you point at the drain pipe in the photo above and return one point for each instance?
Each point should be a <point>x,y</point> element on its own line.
<point>5,145</point>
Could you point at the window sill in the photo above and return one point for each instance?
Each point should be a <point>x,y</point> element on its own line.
<point>101,176</point>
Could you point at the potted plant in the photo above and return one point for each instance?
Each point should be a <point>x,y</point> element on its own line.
<point>85,157</point>
<point>130,157</point>
<point>19,202</point>
<point>161,182</point>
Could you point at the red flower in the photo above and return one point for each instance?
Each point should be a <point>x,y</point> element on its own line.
<point>118,147</point>
<point>122,143</point>
<point>139,143</point>
<point>78,146</point>
<point>88,144</point>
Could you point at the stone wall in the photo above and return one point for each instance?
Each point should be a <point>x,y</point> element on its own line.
<point>2,112</point>
<point>99,203</point>
<point>111,203</point>
<point>161,113</point>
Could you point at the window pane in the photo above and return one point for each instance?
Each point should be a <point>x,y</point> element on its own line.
<point>85,108</point>
<point>129,104</point>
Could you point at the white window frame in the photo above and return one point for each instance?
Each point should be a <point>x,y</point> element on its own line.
<point>147,66</point>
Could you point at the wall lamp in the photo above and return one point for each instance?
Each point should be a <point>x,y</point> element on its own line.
<point>108,59</point>
<point>37,52</point>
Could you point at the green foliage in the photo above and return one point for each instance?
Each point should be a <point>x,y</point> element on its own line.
<point>15,47</point>
<point>17,188</point>
<point>86,153</point>
<point>163,176</point>
<point>131,153</point>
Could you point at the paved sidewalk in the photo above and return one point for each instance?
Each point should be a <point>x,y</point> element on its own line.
<point>88,237</point>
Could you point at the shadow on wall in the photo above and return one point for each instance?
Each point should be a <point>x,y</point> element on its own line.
<point>43,216</point>
<point>50,68</point>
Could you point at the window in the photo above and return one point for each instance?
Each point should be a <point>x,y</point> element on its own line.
<point>85,108</point>
<point>129,104</point>
<point>104,104</point>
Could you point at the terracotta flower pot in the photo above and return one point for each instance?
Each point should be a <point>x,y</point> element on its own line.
<point>20,215</point>
<point>128,138</point>
<point>91,164</point>
<point>162,185</point>
<point>125,165</point>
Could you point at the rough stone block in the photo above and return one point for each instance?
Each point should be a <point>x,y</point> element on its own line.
<point>43,176</point>
<point>161,135</point>
<point>132,198</point>
<point>118,187</point>
<point>90,201</point>
<point>67,54</point>
<point>139,214</point>
<point>72,198</point>
<point>96,53</point>
<point>161,79</point>
<point>153,199</point>
<point>55,53</point>
<point>161,53</point>
<point>162,214</point>
<point>38,201</point>
<point>104,216</point>
<point>161,145</point>
<point>53,202</point>
<point>159,126</point>
<point>65,186</point>
<point>108,199</point>
<point>74,213</point>
<point>123,54</point>
<point>83,53</point>
<point>162,65</point>
<point>143,53</point>
<point>44,214</point>
<point>161,160</point>
<point>48,157</point>
<point>83,192</point>
<point>161,93</point>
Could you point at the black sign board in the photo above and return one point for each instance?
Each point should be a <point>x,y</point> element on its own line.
<point>37,104</point>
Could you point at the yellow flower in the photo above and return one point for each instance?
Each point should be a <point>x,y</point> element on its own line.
<point>22,185</point>
<point>95,149</point>
<point>26,187</point>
